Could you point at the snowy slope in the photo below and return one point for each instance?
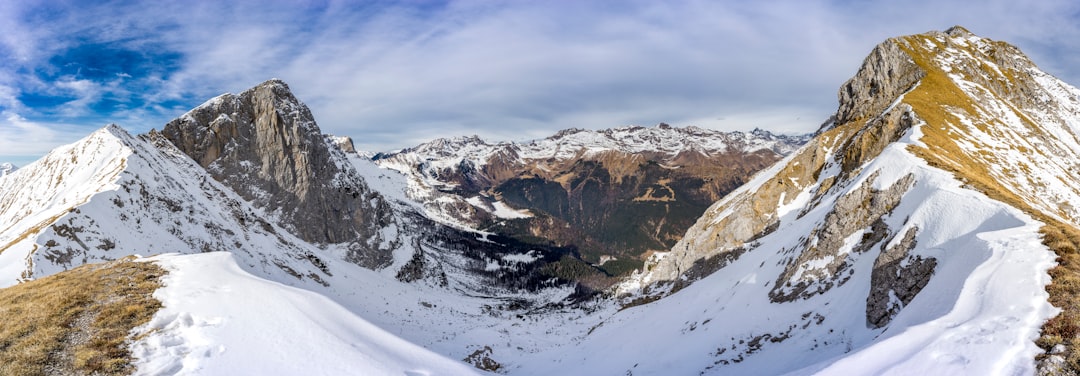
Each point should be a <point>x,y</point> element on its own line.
<point>219,320</point>
<point>113,194</point>
<point>979,317</point>
<point>896,242</point>
<point>127,194</point>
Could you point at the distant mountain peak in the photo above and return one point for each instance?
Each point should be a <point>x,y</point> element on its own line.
<point>7,168</point>
<point>958,31</point>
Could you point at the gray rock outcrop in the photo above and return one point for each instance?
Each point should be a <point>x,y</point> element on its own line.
<point>265,145</point>
<point>885,74</point>
<point>896,279</point>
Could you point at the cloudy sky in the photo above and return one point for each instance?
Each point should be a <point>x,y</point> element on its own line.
<point>393,74</point>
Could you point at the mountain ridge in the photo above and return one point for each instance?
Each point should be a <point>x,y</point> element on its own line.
<point>912,234</point>
<point>616,194</point>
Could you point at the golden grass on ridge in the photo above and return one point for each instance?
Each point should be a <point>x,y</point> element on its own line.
<point>933,101</point>
<point>78,321</point>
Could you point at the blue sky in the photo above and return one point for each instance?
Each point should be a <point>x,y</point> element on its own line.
<point>393,74</point>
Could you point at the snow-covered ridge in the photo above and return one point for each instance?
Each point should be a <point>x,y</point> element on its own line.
<point>1028,118</point>
<point>884,246</point>
<point>663,139</point>
<point>212,308</point>
<point>58,182</point>
<point>431,169</point>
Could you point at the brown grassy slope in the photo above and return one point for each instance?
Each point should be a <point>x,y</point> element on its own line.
<point>934,101</point>
<point>76,322</point>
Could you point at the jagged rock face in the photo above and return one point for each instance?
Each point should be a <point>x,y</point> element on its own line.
<point>897,278</point>
<point>862,208</point>
<point>265,145</point>
<point>885,74</point>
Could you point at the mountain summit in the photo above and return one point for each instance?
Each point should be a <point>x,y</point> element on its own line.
<point>949,154</point>
<point>265,145</point>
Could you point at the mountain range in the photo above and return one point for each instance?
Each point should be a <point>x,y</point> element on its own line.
<point>929,226</point>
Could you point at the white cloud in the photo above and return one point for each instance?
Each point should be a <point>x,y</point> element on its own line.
<point>394,75</point>
<point>22,140</point>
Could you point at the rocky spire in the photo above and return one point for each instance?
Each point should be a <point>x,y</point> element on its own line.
<point>885,74</point>
<point>265,145</point>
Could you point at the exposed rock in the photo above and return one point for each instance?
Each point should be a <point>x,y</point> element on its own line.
<point>885,74</point>
<point>862,208</point>
<point>481,359</point>
<point>896,279</point>
<point>265,145</point>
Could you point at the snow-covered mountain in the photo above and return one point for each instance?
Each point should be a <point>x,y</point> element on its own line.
<point>614,194</point>
<point>6,169</point>
<point>904,238</point>
<point>114,194</point>
<point>913,234</point>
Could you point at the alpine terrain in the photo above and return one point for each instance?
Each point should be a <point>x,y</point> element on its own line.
<point>930,226</point>
<point>616,195</point>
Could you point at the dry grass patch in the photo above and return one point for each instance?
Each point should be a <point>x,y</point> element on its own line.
<point>1064,292</point>
<point>934,101</point>
<point>77,322</point>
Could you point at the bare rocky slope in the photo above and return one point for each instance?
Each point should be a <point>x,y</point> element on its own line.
<point>264,145</point>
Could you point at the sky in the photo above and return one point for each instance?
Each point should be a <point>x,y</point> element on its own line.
<point>395,74</point>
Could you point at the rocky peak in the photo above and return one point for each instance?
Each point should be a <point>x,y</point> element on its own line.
<point>885,74</point>
<point>345,143</point>
<point>958,31</point>
<point>265,145</point>
<point>976,95</point>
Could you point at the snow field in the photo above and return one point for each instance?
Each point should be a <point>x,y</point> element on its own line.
<point>219,320</point>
